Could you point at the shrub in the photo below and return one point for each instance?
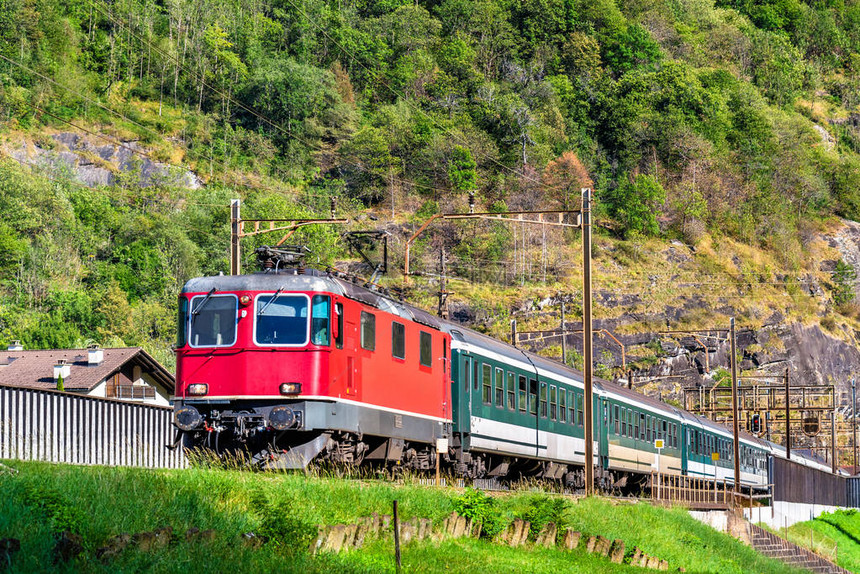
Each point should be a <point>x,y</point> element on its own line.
<point>63,516</point>
<point>543,510</point>
<point>479,506</point>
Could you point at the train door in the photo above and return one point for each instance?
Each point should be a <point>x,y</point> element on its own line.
<point>353,366</point>
<point>468,388</point>
<point>602,434</point>
<point>683,437</point>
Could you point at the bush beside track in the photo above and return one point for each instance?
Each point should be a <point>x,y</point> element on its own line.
<point>97,503</point>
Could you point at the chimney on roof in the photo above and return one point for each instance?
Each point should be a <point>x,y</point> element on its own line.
<point>95,355</point>
<point>62,368</point>
<point>15,346</point>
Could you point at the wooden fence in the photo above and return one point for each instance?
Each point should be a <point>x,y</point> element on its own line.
<point>704,493</point>
<point>54,426</point>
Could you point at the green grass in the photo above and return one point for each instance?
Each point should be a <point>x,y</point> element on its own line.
<point>834,535</point>
<point>99,502</point>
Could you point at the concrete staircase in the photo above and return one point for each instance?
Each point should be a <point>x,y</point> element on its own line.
<point>775,547</point>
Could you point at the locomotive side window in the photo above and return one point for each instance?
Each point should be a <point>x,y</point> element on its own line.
<point>321,304</point>
<point>398,340</point>
<point>282,320</point>
<point>338,312</point>
<point>368,331</point>
<point>617,422</point>
<point>181,332</point>
<point>425,349</point>
<point>512,392</point>
<point>487,383</point>
<point>213,320</point>
<point>500,388</point>
<point>553,403</point>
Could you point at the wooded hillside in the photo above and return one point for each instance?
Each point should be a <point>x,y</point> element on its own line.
<point>689,118</point>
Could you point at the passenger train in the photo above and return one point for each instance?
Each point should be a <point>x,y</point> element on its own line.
<point>298,365</point>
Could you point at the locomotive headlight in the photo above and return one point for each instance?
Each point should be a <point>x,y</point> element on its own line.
<point>187,418</point>
<point>291,388</point>
<point>198,389</point>
<point>282,418</point>
<point>244,300</point>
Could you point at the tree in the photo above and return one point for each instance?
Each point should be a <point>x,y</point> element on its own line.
<point>634,203</point>
<point>60,386</point>
<point>565,176</point>
<point>461,170</point>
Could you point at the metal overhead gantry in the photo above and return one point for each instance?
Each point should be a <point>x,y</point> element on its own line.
<point>554,217</point>
<point>289,226</point>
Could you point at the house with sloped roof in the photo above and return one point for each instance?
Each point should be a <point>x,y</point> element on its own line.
<point>128,373</point>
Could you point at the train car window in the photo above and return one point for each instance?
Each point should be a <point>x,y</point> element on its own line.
<point>320,308</point>
<point>553,403</point>
<point>580,419</point>
<point>664,426</point>
<point>500,388</point>
<point>674,435</point>
<point>562,405</point>
<point>642,428</point>
<point>466,375</point>
<point>425,349</point>
<point>338,313</point>
<point>617,422</point>
<point>486,384</point>
<point>533,389</point>
<point>398,340</point>
<point>512,391</point>
<point>522,398</point>
<point>571,405</point>
<point>648,428</point>
<point>213,320</point>
<point>368,331</point>
<point>623,422</point>
<point>543,400</point>
<point>475,376</point>
<point>631,418</point>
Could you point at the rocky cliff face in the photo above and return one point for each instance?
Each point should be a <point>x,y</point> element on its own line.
<point>93,162</point>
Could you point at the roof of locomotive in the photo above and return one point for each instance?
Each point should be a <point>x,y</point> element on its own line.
<point>311,280</point>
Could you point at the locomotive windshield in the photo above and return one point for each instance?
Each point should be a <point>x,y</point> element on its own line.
<point>282,319</point>
<point>213,320</point>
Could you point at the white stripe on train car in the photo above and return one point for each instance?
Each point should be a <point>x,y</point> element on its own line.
<point>514,439</point>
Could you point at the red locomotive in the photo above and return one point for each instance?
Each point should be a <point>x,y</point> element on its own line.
<point>295,365</point>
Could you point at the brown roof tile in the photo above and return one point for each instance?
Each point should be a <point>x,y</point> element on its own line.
<point>35,369</point>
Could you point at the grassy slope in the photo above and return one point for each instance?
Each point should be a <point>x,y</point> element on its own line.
<point>833,535</point>
<point>100,502</point>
